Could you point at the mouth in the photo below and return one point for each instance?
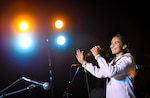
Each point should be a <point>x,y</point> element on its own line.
<point>113,49</point>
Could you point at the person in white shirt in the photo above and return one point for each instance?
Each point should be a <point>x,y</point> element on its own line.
<point>120,72</point>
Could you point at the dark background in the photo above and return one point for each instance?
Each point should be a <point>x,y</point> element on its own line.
<point>87,24</point>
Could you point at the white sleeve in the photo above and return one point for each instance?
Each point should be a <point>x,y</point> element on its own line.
<point>94,70</point>
<point>119,70</point>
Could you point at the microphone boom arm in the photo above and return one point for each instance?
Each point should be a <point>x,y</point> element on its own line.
<point>17,91</point>
<point>68,87</point>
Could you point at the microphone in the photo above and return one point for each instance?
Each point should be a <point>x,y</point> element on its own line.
<point>45,85</point>
<point>89,53</point>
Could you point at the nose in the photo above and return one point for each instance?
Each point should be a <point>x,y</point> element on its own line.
<point>111,45</point>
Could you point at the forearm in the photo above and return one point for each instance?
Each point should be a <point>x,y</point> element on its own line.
<point>94,70</point>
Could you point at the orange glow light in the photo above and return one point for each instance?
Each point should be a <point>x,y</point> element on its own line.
<point>59,24</point>
<point>24,26</point>
<point>22,23</point>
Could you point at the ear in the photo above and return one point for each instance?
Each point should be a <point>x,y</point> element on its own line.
<point>124,46</point>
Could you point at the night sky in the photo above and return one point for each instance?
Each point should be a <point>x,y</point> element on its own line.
<point>86,24</point>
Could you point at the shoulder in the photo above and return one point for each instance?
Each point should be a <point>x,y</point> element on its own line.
<point>127,58</point>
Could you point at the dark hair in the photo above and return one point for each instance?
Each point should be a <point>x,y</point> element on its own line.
<point>124,40</point>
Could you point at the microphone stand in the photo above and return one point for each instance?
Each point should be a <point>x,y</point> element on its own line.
<point>14,92</point>
<point>10,85</point>
<point>17,91</point>
<point>86,77</point>
<point>87,84</point>
<point>66,93</point>
<point>50,71</point>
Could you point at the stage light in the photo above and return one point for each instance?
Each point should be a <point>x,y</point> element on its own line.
<point>59,24</point>
<point>23,23</point>
<point>61,40</point>
<point>24,26</point>
<point>25,42</point>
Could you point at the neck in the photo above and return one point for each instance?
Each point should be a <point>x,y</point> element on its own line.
<point>120,54</point>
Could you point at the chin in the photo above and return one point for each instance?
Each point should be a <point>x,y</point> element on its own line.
<point>113,53</point>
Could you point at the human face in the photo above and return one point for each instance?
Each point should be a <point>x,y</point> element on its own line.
<point>117,46</point>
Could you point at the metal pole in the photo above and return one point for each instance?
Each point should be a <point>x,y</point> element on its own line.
<point>50,71</point>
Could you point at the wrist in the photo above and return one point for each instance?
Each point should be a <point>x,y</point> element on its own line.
<point>82,61</point>
<point>97,56</point>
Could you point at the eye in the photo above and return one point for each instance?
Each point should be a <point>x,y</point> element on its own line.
<point>117,42</point>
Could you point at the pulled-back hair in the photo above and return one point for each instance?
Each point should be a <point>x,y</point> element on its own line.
<point>124,40</point>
